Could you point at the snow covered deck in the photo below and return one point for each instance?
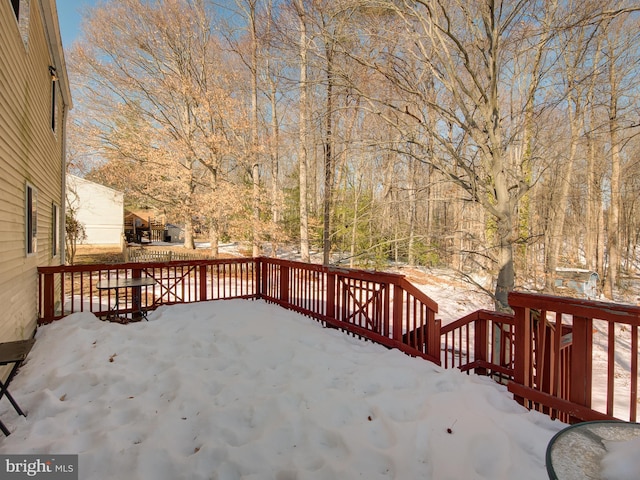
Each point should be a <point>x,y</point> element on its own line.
<point>571,359</point>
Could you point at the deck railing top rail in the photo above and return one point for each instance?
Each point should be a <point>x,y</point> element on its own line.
<point>95,267</point>
<point>577,307</point>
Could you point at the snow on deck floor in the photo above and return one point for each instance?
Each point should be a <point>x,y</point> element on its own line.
<point>246,390</point>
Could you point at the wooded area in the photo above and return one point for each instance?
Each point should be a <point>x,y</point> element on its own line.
<point>492,136</point>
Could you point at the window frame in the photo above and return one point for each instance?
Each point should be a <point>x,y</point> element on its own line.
<point>55,229</point>
<point>31,220</point>
<point>22,11</point>
<point>16,9</point>
<point>54,103</point>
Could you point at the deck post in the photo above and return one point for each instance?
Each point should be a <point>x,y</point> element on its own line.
<point>284,284</point>
<point>48,304</point>
<point>581,364</point>
<point>481,343</point>
<point>258,281</point>
<point>202,277</point>
<point>398,297</point>
<point>330,310</point>
<point>522,368</point>
<point>136,296</point>
<point>433,336</point>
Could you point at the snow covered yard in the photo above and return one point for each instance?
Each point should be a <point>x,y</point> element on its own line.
<point>243,389</point>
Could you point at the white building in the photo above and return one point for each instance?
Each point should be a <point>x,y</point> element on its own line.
<point>175,233</point>
<point>100,209</point>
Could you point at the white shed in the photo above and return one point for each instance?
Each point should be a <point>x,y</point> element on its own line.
<point>578,281</point>
<point>100,209</point>
<point>175,233</point>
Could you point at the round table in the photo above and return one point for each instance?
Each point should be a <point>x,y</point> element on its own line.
<point>576,451</point>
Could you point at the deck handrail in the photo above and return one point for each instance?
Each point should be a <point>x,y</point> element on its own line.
<point>543,351</point>
<point>379,306</point>
<point>554,362</point>
<point>546,354</point>
<point>468,344</point>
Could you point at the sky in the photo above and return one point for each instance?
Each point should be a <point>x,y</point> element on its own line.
<point>69,18</point>
<point>241,389</point>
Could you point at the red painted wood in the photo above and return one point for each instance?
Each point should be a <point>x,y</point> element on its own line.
<point>575,411</point>
<point>577,307</point>
<point>481,345</point>
<point>48,291</point>
<point>522,356</point>
<point>397,313</point>
<point>611,364</point>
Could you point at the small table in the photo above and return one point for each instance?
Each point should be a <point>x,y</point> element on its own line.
<point>13,353</point>
<point>576,451</point>
<point>124,283</point>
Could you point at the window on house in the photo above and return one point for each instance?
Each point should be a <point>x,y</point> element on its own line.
<point>55,227</point>
<point>21,11</point>
<point>31,217</point>
<point>16,8</point>
<point>54,87</point>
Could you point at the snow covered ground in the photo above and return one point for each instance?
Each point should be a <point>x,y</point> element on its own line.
<point>240,389</point>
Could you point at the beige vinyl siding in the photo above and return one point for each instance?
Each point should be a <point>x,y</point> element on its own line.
<point>29,152</point>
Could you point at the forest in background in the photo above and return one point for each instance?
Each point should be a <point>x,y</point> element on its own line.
<point>492,136</point>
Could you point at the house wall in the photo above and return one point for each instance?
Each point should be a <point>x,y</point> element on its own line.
<point>100,209</point>
<point>31,153</point>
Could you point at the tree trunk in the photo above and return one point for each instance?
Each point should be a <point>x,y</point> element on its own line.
<point>556,238</point>
<point>354,228</point>
<point>591,237</point>
<point>328,160</point>
<point>189,240</point>
<point>274,145</point>
<point>506,273</point>
<point>504,230</point>
<point>413,209</point>
<point>255,125</point>
<point>214,237</point>
<point>302,134</point>
<point>614,209</point>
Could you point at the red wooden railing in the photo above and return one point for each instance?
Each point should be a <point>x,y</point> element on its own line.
<point>560,344</point>
<point>471,343</point>
<point>572,359</point>
<point>382,307</point>
<point>69,289</point>
<point>544,352</point>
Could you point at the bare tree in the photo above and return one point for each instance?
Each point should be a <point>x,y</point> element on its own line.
<point>160,100</point>
<point>460,49</point>
<point>621,48</point>
<point>74,229</point>
<point>441,132</point>
<point>302,129</point>
<point>580,50</point>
